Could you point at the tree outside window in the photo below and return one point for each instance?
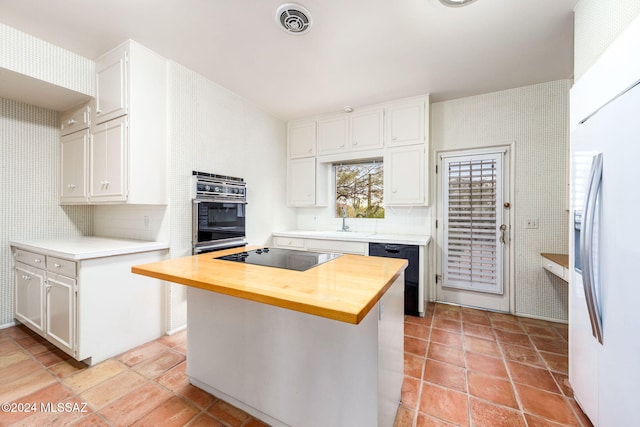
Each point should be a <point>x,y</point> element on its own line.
<point>359,188</point>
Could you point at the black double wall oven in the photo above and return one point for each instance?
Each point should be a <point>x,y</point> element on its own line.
<point>219,212</point>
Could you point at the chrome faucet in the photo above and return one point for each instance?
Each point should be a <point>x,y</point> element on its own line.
<point>345,227</point>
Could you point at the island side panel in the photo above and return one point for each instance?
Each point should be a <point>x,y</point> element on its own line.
<point>391,352</point>
<point>285,367</point>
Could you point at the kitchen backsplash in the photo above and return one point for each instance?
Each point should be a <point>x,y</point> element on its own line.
<point>398,220</point>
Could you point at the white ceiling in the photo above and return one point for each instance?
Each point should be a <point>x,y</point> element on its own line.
<point>358,52</point>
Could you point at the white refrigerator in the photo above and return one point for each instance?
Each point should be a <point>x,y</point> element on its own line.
<point>604,286</point>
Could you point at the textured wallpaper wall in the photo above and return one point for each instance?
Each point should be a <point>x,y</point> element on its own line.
<point>29,189</point>
<point>536,119</point>
<point>597,24</point>
<point>25,54</point>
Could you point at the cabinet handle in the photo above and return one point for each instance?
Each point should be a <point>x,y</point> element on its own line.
<point>394,190</point>
<point>71,122</point>
<point>16,254</point>
<point>355,142</point>
<point>71,186</point>
<point>341,145</point>
<point>56,265</point>
<point>98,112</point>
<point>394,138</point>
<point>26,277</point>
<point>38,261</point>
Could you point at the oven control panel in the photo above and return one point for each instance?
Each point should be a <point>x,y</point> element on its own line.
<point>219,187</point>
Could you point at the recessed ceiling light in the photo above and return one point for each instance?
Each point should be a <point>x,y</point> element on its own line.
<point>456,3</point>
<point>293,18</point>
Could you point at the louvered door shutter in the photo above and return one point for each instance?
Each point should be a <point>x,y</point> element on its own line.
<point>472,217</point>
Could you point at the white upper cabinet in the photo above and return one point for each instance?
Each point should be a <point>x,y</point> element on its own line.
<point>73,167</point>
<point>395,131</point>
<point>333,133</point>
<point>301,138</point>
<point>111,85</point>
<point>301,180</point>
<point>366,129</point>
<point>108,162</point>
<point>404,181</point>
<point>357,131</point>
<point>126,154</point>
<point>406,123</point>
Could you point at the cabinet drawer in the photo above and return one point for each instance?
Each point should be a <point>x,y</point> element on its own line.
<point>288,242</point>
<point>555,268</point>
<point>30,258</point>
<point>358,248</point>
<point>61,266</point>
<point>74,121</point>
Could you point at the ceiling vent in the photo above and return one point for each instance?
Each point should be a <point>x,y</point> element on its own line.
<point>293,18</point>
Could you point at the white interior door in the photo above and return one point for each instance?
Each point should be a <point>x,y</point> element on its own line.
<point>474,230</point>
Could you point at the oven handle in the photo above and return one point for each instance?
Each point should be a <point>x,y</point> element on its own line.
<point>204,199</point>
<point>219,246</point>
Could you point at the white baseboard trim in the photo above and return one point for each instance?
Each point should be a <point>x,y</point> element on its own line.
<point>8,325</point>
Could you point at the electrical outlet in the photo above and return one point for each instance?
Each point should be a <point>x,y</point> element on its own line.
<point>531,223</point>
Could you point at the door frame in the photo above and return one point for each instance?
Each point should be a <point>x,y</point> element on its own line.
<point>437,216</point>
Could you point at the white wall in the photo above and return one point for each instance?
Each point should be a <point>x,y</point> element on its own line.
<point>213,130</point>
<point>29,149</point>
<point>536,119</point>
<point>597,24</point>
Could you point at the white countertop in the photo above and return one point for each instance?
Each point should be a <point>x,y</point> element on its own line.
<point>358,236</point>
<point>88,247</point>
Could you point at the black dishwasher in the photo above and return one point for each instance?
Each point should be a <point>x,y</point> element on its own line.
<point>411,254</point>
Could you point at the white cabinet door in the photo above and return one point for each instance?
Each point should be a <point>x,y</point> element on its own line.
<point>333,133</point>
<point>302,139</point>
<point>111,86</point>
<point>405,175</point>
<point>60,311</point>
<point>366,130</point>
<point>301,182</point>
<point>405,123</point>
<point>29,301</point>
<point>108,161</point>
<point>73,167</point>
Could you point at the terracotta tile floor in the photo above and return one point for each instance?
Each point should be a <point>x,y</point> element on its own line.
<point>146,386</point>
<point>466,367</point>
<point>462,367</point>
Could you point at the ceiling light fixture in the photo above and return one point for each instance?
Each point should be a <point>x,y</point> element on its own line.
<point>348,109</point>
<point>293,18</point>
<point>456,3</point>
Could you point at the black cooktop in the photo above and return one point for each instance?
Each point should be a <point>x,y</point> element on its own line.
<point>281,258</point>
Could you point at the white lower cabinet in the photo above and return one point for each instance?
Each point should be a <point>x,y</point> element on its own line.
<point>29,300</point>
<point>45,299</point>
<point>321,245</point>
<point>60,311</point>
<point>91,309</point>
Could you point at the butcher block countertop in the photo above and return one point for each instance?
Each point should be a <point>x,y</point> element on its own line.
<point>343,289</point>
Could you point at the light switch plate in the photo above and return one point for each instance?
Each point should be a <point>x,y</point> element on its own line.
<point>531,223</point>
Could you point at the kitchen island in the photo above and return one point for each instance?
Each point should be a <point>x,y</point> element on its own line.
<point>313,348</point>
